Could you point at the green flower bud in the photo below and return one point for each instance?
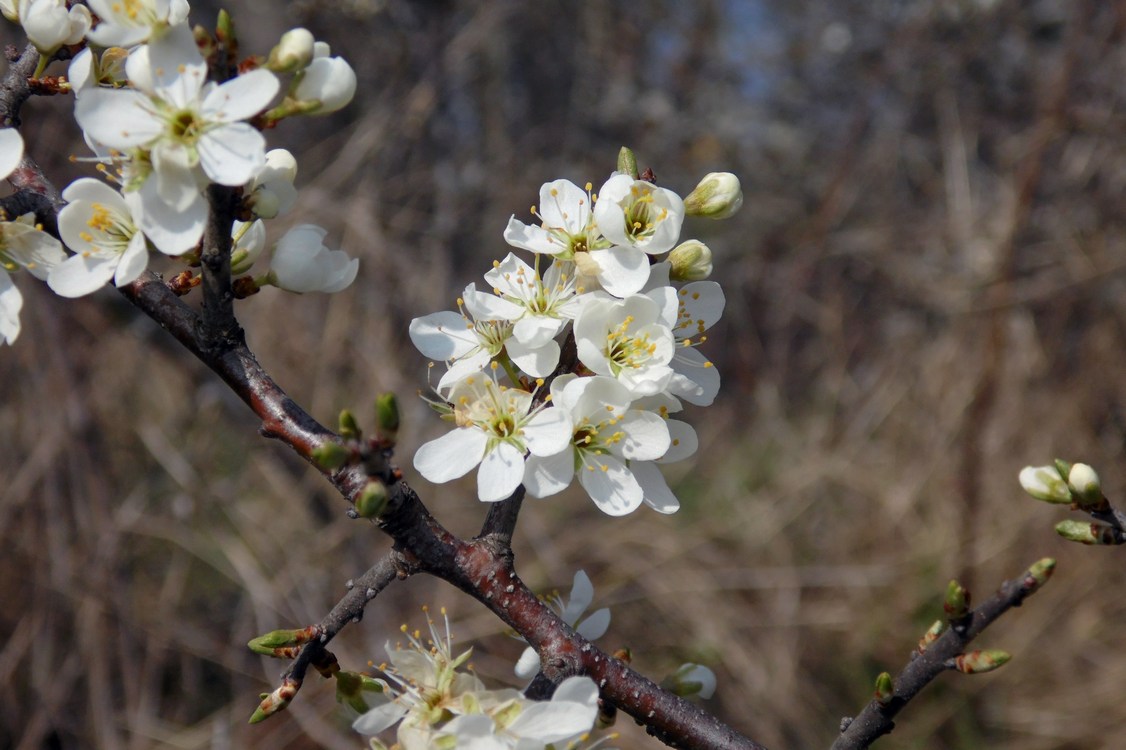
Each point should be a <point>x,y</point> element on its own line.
<point>691,261</point>
<point>691,679</point>
<point>718,196</point>
<point>349,429</point>
<point>1085,532</point>
<point>331,455</point>
<point>1085,486</point>
<point>980,662</point>
<point>293,52</point>
<point>372,499</point>
<point>1045,483</point>
<point>957,602</point>
<point>627,162</point>
<point>387,416</point>
<point>885,689</point>
<point>1040,571</point>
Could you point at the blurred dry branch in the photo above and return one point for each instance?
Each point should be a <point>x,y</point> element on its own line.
<point>881,145</point>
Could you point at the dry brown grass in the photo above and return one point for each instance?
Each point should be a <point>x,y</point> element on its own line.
<point>884,259</point>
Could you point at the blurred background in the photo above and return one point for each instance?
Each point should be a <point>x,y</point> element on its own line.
<point>926,291</point>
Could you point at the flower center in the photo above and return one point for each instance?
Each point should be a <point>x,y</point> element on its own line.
<point>624,350</point>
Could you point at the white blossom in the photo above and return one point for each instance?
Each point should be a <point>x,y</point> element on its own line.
<point>571,610</point>
<point>628,340</point>
<point>49,24</point>
<point>301,263</point>
<point>495,427</point>
<point>607,436</point>
<point>101,227</point>
<point>636,213</point>
<point>125,23</point>
<point>328,81</point>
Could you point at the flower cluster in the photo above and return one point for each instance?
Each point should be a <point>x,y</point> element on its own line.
<point>610,311</point>
<point>162,130</point>
<point>435,705</point>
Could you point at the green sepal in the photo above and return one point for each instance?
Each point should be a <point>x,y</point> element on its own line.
<point>627,162</point>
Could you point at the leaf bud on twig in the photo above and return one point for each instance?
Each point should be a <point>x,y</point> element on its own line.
<point>276,701</point>
<point>372,499</point>
<point>885,689</point>
<point>1086,532</point>
<point>957,602</point>
<point>932,634</point>
<point>387,416</point>
<point>980,662</point>
<point>349,429</point>
<point>1039,573</point>
<point>331,455</point>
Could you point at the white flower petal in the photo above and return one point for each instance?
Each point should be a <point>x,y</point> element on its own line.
<point>133,261</point>
<point>242,97</point>
<point>646,436</point>
<point>594,626</point>
<point>11,301</point>
<point>172,232</point>
<point>547,475</point>
<point>379,718</point>
<point>117,118</point>
<point>537,361</point>
<point>695,379</point>
<point>658,496</point>
<point>622,270</point>
<point>80,275</point>
<point>610,485</point>
<point>501,470</point>
<point>232,154</point>
<point>548,432</point>
<point>11,151</point>
<point>451,456</point>
<point>532,238</point>
<point>683,442</point>
<point>528,665</point>
<point>443,335</point>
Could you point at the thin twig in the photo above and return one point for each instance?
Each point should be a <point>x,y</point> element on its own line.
<point>877,719</point>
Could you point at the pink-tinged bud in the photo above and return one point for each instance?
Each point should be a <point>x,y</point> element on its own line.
<point>885,689</point>
<point>1039,573</point>
<point>980,662</point>
<point>276,701</point>
<point>932,635</point>
<point>718,196</point>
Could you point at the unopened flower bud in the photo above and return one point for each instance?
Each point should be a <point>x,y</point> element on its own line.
<point>348,427</point>
<point>111,66</point>
<point>690,261</point>
<point>275,639</point>
<point>718,196</point>
<point>276,701</point>
<point>1039,572</point>
<point>293,52</point>
<point>350,687</point>
<point>980,662</point>
<point>627,162</point>
<point>372,499</point>
<point>1085,532</point>
<point>331,455</point>
<point>387,416</point>
<point>329,82</point>
<point>1084,483</point>
<point>885,689</point>
<point>1045,483</point>
<point>932,634</point>
<point>957,602</point>
<point>691,679</point>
